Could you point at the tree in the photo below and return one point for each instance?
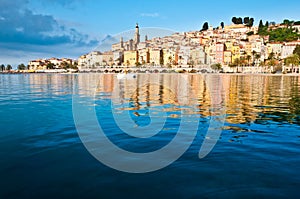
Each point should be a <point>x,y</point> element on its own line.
<point>248,59</point>
<point>8,67</point>
<point>288,23</point>
<point>128,63</point>
<point>137,64</point>
<point>293,60</point>
<point>257,57</point>
<point>237,62</point>
<point>205,26</point>
<point>283,35</point>
<point>2,67</point>
<point>234,20</point>
<point>272,55</point>
<point>261,26</point>
<point>250,33</point>
<point>217,66</point>
<point>240,20</point>
<point>272,62</point>
<point>222,25</point>
<point>297,23</point>
<point>246,20</point>
<point>170,59</point>
<point>50,66</point>
<point>267,24</point>
<point>21,67</point>
<point>297,50</point>
<point>254,53</point>
<point>251,22</point>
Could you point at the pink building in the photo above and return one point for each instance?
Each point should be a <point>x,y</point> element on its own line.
<point>220,48</point>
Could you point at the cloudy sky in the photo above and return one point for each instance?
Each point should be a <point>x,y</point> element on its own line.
<point>31,29</point>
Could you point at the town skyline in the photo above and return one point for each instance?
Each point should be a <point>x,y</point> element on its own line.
<point>271,45</point>
<point>42,29</point>
<point>107,43</point>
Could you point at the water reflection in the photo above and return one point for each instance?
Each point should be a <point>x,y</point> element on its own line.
<point>248,99</point>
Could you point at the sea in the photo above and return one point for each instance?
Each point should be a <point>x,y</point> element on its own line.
<point>149,136</point>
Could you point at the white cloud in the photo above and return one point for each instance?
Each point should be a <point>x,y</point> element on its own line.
<point>2,18</point>
<point>153,15</point>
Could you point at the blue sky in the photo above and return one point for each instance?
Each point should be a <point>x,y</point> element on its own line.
<point>31,29</point>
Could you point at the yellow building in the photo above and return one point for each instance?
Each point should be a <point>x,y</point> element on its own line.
<point>227,57</point>
<point>229,45</point>
<point>131,58</point>
<point>170,57</point>
<point>204,41</point>
<point>248,48</point>
<point>236,52</point>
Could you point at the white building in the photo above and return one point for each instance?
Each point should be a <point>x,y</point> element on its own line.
<point>287,50</point>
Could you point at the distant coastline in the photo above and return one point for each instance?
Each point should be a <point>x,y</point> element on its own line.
<point>118,70</point>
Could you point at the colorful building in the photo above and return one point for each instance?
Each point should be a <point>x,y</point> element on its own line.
<point>131,58</point>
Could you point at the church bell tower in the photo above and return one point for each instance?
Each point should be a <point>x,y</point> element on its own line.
<point>137,34</point>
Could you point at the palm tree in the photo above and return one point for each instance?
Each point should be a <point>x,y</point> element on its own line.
<point>2,67</point>
<point>237,62</point>
<point>170,62</point>
<point>254,53</point>
<point>248,59</point>
<point>8,67</point>
<point>257,57</point>
<point>293,60</point>
<point>128,63</point>
<point>272,63</point>
<point>243,61</point>
<point>170,59</point>
<point>272,55</point>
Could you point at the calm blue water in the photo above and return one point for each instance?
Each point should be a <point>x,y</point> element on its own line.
<point>257,155</point>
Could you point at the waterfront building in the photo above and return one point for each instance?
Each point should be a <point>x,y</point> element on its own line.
<point>236,52</point>
<point>198,56</point>
<point>96,60</point>
<point>227,57</point>
<point>144,56</point>
<point>275,48</point>
<point>287,50</point>
<point>170,57</point>
<point>184,56</point>
<point>220,48</point>
<point>37,65</point>
<point>131,58</point>
<point>156,57</point>
<point>229,45</point>
<point>118,57</point>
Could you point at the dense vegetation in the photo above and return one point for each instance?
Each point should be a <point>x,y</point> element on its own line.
<point>284,34</point>
<point>5,68</point>
<point>247,21</point>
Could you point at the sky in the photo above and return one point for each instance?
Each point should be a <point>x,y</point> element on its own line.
<point>32,29</point>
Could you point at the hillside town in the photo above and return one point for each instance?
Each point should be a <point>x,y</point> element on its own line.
<point>238,47</point>
<point>224,47</point>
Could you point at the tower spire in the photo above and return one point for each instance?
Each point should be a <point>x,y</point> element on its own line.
<point>137,34</point>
